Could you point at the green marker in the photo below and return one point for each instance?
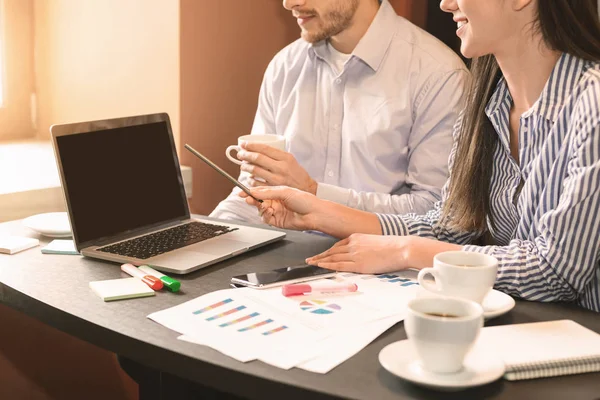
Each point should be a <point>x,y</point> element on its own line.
<point>170,283</point>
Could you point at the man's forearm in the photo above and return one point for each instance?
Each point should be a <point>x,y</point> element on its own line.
<point>416,201</point>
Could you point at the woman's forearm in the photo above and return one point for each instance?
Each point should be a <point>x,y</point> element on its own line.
<point>341,221</point>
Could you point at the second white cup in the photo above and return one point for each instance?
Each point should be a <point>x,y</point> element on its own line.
<point>443,330</point>
<point>462,274</point>
<point>276,141</point>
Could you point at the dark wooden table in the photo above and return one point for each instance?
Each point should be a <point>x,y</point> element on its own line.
<point>54,289</point>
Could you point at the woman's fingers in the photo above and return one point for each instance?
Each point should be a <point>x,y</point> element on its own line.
<point>343,266</point>
<point>335,258</point>
<point>339,247</point>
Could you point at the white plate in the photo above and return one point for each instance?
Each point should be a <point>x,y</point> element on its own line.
<point>495,303</point>
<point>54,225</point>
<point>400,358</point>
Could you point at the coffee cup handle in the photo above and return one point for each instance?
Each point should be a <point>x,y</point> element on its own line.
<point>231,158</point>
<point>432,287</point>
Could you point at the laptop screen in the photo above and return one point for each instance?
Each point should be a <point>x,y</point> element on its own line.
<point>121,179</point>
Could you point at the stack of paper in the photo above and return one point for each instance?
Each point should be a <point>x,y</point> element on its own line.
<point>308,332</point>
<point>15,244</point>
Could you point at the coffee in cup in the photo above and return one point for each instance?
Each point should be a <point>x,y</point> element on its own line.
<point>276,141</point>
<point>442,331</point>
<point>462,274</point>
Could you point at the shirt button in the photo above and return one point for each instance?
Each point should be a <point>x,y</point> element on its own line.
<point>338,81</point>
<point>336,126</point>
<point>330,174</point>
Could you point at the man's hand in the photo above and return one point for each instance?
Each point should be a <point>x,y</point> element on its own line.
<point>276,167</point>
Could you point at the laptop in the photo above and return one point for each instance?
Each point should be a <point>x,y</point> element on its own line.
<point>126,201</point>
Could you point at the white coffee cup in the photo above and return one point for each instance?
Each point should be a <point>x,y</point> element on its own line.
<point>462,274</point>
<point>276,141</point>
<point>441,342</point>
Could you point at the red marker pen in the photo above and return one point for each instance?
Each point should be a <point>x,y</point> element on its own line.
<point>305,288</point>
<point>149,280</point>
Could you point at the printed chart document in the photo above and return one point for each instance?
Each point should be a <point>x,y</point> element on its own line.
<point>315,333</point>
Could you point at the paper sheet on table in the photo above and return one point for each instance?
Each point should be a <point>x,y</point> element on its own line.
<point>321,357</point>
<point>338,352</point>
<point>313,333</point>
<point>234,324</point>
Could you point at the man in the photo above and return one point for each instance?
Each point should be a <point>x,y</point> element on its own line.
<point>366,101</point>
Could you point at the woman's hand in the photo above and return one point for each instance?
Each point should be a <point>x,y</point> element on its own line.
<point>287,208</point>
<point>368,254</point>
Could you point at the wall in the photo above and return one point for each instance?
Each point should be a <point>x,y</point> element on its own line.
<point>413,10</point>
<point>225,48</point>
<point>441,25</point>
<point>103,59</point>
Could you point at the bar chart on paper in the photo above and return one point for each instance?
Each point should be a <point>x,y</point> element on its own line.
<point>398,279</point>
<point>381,281</point>
<point>235,325</point>
<point>225,314</point>
<point>212,306</point>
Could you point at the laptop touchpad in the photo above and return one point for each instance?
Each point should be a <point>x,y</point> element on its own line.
<point>219,246</point>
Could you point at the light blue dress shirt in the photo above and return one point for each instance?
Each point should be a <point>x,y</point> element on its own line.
<point>548,235</point>
<point>375,136</point>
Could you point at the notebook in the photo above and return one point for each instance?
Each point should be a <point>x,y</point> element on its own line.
<point>543,349</point>
<point>60,246</point>
<point>120,289</point>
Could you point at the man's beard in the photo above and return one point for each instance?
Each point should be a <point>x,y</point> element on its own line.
<point>334,22</point>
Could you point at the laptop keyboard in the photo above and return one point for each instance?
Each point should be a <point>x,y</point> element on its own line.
<point>167,240</point>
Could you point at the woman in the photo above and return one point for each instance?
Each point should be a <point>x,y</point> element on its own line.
<point>524,171</point>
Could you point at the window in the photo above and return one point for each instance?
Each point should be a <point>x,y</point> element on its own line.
<point>16,69</point>
<point>2,77</point>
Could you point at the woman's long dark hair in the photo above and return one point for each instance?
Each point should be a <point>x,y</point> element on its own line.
<point>568,26</point>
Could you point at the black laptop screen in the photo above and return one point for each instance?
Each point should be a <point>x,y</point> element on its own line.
<point>121,179</point>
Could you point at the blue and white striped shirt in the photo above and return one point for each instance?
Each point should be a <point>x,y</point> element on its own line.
<point>548,241</point>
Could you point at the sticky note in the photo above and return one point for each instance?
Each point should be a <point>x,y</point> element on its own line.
<point>120,289</point>
<point>59,246</point>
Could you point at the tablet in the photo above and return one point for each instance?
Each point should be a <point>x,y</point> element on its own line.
<point>221,171</point>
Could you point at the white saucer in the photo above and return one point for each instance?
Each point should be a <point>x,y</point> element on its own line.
<point>54,225</point>
<point>400,358</point>
<point>495,303</point>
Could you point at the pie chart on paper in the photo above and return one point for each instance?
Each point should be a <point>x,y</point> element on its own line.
<point>319,307</point>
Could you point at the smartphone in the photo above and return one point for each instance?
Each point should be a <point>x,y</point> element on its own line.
<point>221,171</point>
<point>282,276</point>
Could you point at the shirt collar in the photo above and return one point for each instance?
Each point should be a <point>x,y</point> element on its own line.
<point>374,44</point>
<point>563,79</point>
<point>501,99</point>
<point>561,83</point>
